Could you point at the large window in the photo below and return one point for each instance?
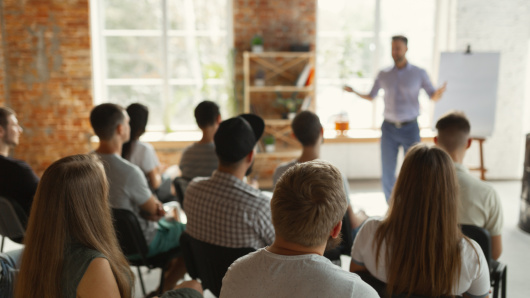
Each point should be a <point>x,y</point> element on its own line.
<point>167,54</point>
<point>354,43</point>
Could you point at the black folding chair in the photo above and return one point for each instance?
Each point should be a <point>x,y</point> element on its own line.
<point>498,271</point>
<point>209,262</point>
<point>13,221</point>
<point>180,185</point>
<point>132,242</point>
<point>345,246</point>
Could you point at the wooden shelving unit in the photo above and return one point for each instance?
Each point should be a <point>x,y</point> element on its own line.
<point>281,70</point>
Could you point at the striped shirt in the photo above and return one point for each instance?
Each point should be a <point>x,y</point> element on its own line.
<point>225,211</point>
<point>198,160</point>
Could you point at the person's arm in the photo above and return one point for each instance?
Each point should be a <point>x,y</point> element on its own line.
<point>364,96</point>
<point>155,178</point>
<point>98,281</point>
<point>496,247</point>
<point>152,209</point>
<point>354,267</point>
<point>437,94</point>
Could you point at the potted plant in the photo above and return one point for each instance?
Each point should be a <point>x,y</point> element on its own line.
<point>257,44</point>
<point>270,143</point>
<point>290,105</point>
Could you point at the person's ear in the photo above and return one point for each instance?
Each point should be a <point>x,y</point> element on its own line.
<point>2,132</point>
<point>436,140</point>
<point>219,119</point>
<point>336,230</point>
<point>250,156</point>
<point>469,140</point>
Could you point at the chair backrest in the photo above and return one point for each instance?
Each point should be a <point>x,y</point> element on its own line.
<point>12,222</point>
<point>129,233</point>
<point>482,237</point>
<point>209,262</point>
<point>180,185</point>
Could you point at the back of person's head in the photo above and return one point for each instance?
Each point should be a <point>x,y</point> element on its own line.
<point>70,207</point>
<point>5,113</point>
<point>453,131</point>
<point>308,202</point>
<point>307,128</point>
<point>421,229</point>
<point>236,138</point>
<point>139,115</point>
<point>206,113</point>
<point>105,118</point>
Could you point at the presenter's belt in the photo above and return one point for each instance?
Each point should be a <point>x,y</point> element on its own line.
<point>401,124</point>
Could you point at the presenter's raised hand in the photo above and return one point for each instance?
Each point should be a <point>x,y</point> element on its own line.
<point>439,92</point>
<point>350,89</point>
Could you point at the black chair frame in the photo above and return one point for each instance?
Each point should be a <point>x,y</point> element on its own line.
<point>498,271</point>
<point>209,262</point>
<point>132,242</point>
<point>13,220</point>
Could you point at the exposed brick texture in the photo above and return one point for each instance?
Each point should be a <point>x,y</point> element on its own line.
<point>48,63</point>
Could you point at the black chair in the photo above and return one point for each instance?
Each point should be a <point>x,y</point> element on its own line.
<point>180,185</point>
<point>380,287</point>
<point>498,271</point>
<point>13,221</point>
<point>345,246</point>
<point>209,262</point>
<point>132,242</point>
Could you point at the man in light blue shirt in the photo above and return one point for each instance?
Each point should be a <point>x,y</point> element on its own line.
<point>402,84</point>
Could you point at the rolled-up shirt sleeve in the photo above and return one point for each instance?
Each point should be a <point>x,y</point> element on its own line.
<point>376,86</point>
<point>426,83</point>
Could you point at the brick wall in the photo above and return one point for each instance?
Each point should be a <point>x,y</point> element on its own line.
<point>47,57</point>
<point>3,89</point>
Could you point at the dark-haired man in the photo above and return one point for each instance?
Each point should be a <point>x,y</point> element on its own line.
<point>128,188</point>
<point>223,209</point>
<point>18,182</point>
<point>402,84</point>
<point>294,265</point>
<point>480,204</point>
<point>199,159</point>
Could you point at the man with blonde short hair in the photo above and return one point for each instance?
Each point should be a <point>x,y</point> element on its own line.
<point>307,209</point>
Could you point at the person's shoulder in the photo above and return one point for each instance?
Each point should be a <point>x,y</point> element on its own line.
<point>145,146</point>
<point>120,165</point>
<point>15,163</point>
<point>470,181</point>
<point>247,261</point>
<point>386,70</point>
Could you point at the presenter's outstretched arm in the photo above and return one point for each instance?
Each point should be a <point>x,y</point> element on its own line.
<point>439,92</point>
<point>350,89</point>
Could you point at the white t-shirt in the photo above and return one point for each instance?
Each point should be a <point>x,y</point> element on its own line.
<point>265,274</point>
<point>474,278</point>
<point>144,156</point>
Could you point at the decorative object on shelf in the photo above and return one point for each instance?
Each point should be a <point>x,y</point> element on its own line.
<point>257,44</point>
<point>342,123</point>
<point>270,143</point>
<point>300,47</point>
<point>289,105</point>
<point>259,78</point>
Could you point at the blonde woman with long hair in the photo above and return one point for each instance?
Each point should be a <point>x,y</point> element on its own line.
<point>71,248</point>
<point>418,247</point>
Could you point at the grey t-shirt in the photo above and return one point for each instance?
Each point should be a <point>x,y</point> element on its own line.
<point>198,160</point>
<point>265,274</point>
<point>128,189</point>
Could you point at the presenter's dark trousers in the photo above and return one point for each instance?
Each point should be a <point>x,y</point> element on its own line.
<point>393,136</point>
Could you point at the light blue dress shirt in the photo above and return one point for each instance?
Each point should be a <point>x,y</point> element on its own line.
<point>402,87</point>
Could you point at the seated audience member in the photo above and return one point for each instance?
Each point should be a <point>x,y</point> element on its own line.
<point>307,209</point>
<point>143,154</point>
<point>18,182</point>
<point>418,247</point>
<point>222,209</point>
<point>71,248</point>
<point>199,159</point>
<point>128,187</point>
<point>308,131</point>
<point>480,203</point>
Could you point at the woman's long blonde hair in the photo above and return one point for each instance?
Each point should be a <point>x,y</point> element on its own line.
<point>421,232</point>
<point>70,206</point>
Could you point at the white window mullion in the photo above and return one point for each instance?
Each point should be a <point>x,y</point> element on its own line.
<point>166,92</point>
